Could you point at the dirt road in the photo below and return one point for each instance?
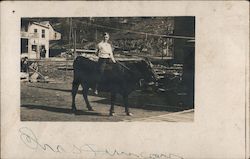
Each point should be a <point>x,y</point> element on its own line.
<point>52,102</point>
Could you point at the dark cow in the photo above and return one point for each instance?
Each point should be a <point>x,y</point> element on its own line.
<point>119,78</point>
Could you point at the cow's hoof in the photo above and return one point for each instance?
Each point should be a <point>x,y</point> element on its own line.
<point>129,114</point>
<point>90,109</point>
<point>73,110</point>
<point>111,114</point>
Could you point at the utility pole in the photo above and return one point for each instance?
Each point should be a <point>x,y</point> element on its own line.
<point>95,34</point>
<point>162,48</point>
<point>75,44</point>
<point>70,30</point>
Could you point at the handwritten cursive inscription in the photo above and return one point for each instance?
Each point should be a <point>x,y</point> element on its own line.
<point>29,139</point>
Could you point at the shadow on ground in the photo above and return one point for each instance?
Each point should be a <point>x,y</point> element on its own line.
<point>61,110</point>
<point>161,102</point>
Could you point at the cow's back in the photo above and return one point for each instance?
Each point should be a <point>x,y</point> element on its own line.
<point>121,76</point>
<point>84,64</point>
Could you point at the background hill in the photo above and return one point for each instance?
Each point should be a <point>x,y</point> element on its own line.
<point>134,34</point>
<point>90,29</point>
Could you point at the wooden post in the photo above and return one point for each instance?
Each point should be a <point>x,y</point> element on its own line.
<point>75,44</point>
<point>162,52</point>
<point>162,47</point>
<point>95,34</point>
<point>70,30</point>
<point>38,48</point>
<point>38,44</point>
<point>66,69</point>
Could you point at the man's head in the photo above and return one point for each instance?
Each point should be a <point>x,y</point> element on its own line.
<point>105,36</point>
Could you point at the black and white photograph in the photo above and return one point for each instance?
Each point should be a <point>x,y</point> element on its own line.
<point>107,69</point>
<point>124,79</point>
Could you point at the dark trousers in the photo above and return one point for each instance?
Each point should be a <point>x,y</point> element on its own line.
<point>102,62</point>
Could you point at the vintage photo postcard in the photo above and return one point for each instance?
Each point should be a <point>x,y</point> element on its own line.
<point>119,79</point>
<point>140,67</point>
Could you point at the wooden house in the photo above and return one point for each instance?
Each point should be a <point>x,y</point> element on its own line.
<point>35,39</point>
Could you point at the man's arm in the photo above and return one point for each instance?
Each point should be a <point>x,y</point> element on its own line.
<point>112,57</point>
<point>112,54</point>
<point>97,50</point>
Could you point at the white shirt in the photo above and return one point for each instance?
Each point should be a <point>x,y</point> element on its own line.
<point>104,50</point>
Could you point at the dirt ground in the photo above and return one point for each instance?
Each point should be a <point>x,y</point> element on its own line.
<point>52,102</point>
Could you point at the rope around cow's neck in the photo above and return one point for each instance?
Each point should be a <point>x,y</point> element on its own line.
<point>123,65</point>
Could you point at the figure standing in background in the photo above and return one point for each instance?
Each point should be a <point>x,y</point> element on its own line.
<point>24,65</point>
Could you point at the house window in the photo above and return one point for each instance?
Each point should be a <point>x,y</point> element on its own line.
<point>35,30</point>
<point>55,35</point>
<point>43,33</point>
<point>34,47</point>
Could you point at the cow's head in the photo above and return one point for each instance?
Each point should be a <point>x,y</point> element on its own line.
<point>147,74</point>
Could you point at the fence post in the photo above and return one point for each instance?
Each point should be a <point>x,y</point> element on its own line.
<point>75,44</point>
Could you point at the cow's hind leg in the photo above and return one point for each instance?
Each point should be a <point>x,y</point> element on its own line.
<point>112,111</point>
<point>75,86</point>
<point>125,100</point>
<point>85,90</point>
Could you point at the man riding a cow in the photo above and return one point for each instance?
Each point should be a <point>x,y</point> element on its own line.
<point>120,78</point>
<point>105,54</point>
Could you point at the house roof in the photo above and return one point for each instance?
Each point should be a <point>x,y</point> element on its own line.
<point>40,24</point>
<point>45,23</point>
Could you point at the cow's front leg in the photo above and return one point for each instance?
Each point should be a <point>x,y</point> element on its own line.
<point>75,86</point>
<point>125,100</point>
<point>112,111</point>
<point>85,91</point>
